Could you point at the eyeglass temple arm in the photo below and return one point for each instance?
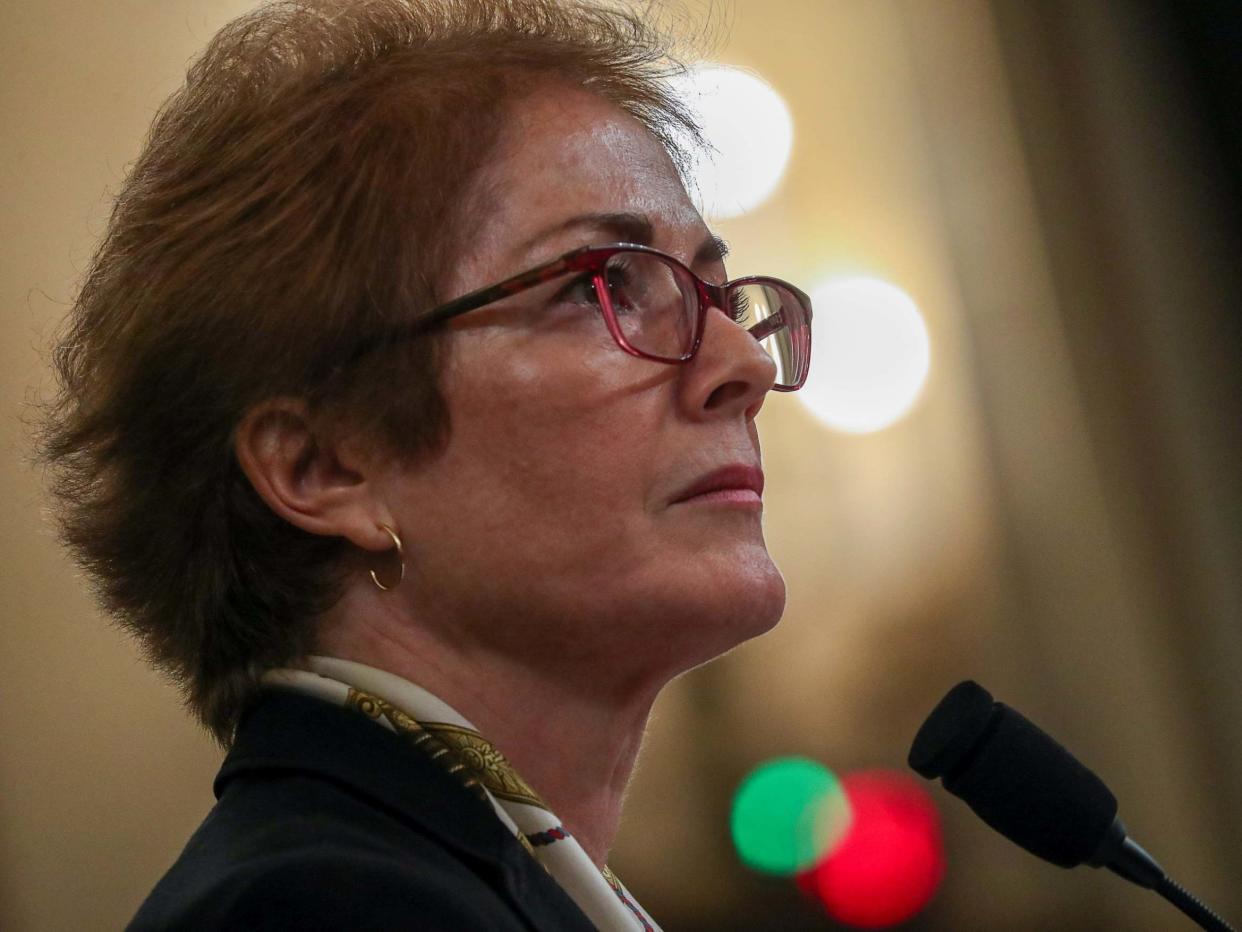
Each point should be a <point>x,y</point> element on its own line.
<point>471,301</point>
<point>768,326</point>
<point>510,286</point>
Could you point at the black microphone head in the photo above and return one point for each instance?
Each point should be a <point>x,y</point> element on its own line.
<point>1014,776</point>
<point>952,730</point>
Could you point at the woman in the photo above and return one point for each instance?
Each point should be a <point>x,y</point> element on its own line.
<point>406,420</point>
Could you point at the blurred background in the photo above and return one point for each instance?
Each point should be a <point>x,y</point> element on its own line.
<point>1021,225</point>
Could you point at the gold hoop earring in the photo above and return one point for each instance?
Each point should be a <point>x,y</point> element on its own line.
<point>400,557</point>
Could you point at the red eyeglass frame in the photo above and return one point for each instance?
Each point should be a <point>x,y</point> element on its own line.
<point>592,260</point>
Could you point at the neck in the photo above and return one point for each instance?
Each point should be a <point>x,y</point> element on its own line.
<point>575,742</point>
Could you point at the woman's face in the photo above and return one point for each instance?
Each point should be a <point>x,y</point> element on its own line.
<point>551,527</point>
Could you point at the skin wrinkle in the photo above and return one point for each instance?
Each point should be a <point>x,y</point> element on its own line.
<point>551,588</point>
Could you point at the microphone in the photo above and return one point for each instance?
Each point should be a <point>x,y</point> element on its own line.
<point>1035,792</point>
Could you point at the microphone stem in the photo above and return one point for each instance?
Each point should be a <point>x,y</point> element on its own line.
<point>1191,906</point>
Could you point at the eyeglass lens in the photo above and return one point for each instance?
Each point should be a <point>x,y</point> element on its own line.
<point>655,303</point>
<point>767,310</point>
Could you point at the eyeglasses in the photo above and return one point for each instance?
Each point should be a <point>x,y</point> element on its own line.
<point>654,307</point>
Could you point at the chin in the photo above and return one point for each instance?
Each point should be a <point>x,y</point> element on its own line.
<point>759,596</point>
<point>726,608</point>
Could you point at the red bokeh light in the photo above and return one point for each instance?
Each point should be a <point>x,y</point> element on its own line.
<point>889,862</point>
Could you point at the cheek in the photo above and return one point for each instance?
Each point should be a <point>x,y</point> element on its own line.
<point>546,443</point>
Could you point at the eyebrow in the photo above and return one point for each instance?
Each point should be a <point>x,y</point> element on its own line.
<point>629,228</point>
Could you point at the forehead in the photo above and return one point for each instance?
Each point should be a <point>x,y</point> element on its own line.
<point>569,153</point>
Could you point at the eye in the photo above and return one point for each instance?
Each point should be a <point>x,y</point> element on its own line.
<point>622,289</point>
<point>580,290</point>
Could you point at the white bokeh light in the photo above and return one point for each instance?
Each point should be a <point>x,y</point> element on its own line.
<point>750,130</point>
<point>871,355</point>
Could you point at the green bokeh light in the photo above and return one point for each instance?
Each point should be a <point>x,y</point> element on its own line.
<point>787,814</point>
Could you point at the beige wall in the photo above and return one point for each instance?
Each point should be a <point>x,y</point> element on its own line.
<point>99,771</point>
<point>991,533</point>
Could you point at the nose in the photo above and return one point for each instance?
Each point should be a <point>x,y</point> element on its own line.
<point>731,374</point>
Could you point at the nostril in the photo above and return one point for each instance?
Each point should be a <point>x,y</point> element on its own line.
<point>726,393</point>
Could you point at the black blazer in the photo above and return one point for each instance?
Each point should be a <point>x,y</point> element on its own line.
<point>325,820</point>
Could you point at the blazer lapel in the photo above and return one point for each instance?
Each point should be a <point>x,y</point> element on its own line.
<point>287,731</point>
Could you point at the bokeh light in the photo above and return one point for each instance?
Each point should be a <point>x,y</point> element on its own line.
<point>750,130</point>
<point>871,357</point>
<point>787,814</point>
<point>887,866</point>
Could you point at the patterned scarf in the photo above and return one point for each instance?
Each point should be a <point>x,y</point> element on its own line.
<point>450,739</point>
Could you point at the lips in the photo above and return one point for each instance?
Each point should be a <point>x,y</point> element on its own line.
<point>729,478</point>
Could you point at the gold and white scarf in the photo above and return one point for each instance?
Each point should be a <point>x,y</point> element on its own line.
<point>432,725</point>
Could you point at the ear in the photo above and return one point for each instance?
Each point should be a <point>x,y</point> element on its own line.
<point>313,481</point>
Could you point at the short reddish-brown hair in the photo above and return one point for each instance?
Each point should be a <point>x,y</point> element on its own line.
<point>306,185</point>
